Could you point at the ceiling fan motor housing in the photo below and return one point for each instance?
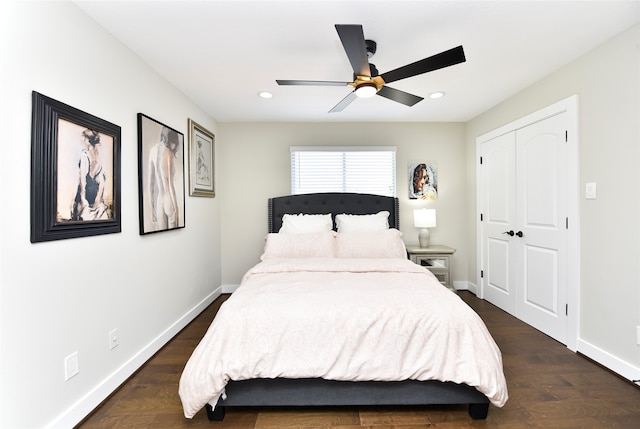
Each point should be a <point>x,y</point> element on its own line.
<point>371,47</point>
<point>373,72</point>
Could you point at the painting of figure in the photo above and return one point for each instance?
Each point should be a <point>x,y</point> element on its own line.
<point>423,181</point>
<point>161,176</point>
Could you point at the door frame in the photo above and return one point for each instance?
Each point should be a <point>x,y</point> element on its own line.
<point>570,106</point>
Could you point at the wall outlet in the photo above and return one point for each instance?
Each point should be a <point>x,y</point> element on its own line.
<point>71,366</point>
<point>114,340</point>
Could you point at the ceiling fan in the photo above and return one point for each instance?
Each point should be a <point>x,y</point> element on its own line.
<point>366,80</point>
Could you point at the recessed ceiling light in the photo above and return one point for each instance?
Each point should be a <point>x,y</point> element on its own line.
<point>437,94</point>
<point>265,94</point>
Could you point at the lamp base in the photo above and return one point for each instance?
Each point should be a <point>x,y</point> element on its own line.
<point>424,238</point>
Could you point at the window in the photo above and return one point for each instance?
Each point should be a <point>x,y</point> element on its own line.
<point>362,169</point>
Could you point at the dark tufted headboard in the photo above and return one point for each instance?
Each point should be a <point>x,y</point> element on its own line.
<point>331,202</point>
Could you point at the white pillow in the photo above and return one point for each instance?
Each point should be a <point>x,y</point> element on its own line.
<point>359,223</point>
<point>309,245</point>
<point>372,244</point>
<point>305,223</point>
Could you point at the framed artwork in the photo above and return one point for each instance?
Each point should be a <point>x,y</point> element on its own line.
<point>201,161</point>
<point>423,181</point>
<point>160,176</point>
<point>75,172</point>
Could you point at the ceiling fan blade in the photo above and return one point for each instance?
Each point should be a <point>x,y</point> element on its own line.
<point>435,62</point>
<point>399,96</point>
<point>344,102</point>
<point>311,82</point>
<point>352,39</point>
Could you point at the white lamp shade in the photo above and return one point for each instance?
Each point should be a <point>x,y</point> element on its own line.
<point>424,218</point>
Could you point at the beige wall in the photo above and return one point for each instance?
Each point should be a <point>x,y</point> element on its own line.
<point>256,166</point>
<point>607,83</point>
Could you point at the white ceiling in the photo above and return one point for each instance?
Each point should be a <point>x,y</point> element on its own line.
<point>222,53</point>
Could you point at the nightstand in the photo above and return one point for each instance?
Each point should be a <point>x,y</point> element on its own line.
<point>436,258</point>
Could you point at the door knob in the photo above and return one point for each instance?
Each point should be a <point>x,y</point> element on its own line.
<point>511,233</point>
<point>519,234</point>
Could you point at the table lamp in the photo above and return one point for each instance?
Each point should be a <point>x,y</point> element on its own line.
<point>425,219</point>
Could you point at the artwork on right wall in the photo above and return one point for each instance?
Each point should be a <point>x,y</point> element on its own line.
<point>423,181</point>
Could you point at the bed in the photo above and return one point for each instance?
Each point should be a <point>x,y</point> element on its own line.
<point>341,318</point>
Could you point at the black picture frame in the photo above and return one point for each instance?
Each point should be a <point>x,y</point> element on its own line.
<point>65,142</point>
<point>160,147</point>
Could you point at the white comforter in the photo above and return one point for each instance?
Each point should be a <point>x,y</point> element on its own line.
<point>342,319</point>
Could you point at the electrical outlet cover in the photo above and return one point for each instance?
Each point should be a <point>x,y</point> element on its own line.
<point>113,339</point>
<point>71,366</point>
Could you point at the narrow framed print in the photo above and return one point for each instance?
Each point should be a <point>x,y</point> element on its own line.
<point>201,161</point>
<point>160,176</point>
<point>75,172</point>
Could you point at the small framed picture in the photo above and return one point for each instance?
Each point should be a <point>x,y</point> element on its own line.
<point>201,161</point>
<point>423,181</point>
<point>75,172</point>
<point>160,176</point>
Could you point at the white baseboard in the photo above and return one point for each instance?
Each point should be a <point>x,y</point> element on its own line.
<point>91,400</point>
<point>604,358</point>
<point>229,288</point>
<point>465,285</point>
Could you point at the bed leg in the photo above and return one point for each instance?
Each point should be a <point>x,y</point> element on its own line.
<point>478,411</point>
<point>215,414</point>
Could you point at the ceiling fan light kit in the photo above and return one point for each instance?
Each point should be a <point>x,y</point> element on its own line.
<point>366,89</point>
<point>366,81</point>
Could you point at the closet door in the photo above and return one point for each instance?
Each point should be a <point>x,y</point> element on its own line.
<point>541,164</point>
<point>523,202</point>
<point>499,219</point>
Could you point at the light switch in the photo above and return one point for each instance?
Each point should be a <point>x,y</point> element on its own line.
<point>590,191</point>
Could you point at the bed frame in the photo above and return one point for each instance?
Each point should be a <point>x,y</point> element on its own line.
<point>319,392</point>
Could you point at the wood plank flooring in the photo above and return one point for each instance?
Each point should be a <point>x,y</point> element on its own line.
<point>549,387</point>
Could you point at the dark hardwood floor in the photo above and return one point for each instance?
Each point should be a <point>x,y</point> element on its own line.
<point>549,387</point>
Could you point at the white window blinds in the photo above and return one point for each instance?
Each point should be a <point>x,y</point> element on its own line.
<point>362,169</point>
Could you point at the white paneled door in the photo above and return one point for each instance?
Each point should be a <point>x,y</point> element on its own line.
<point>523,204</point>
<point>498,170</point>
